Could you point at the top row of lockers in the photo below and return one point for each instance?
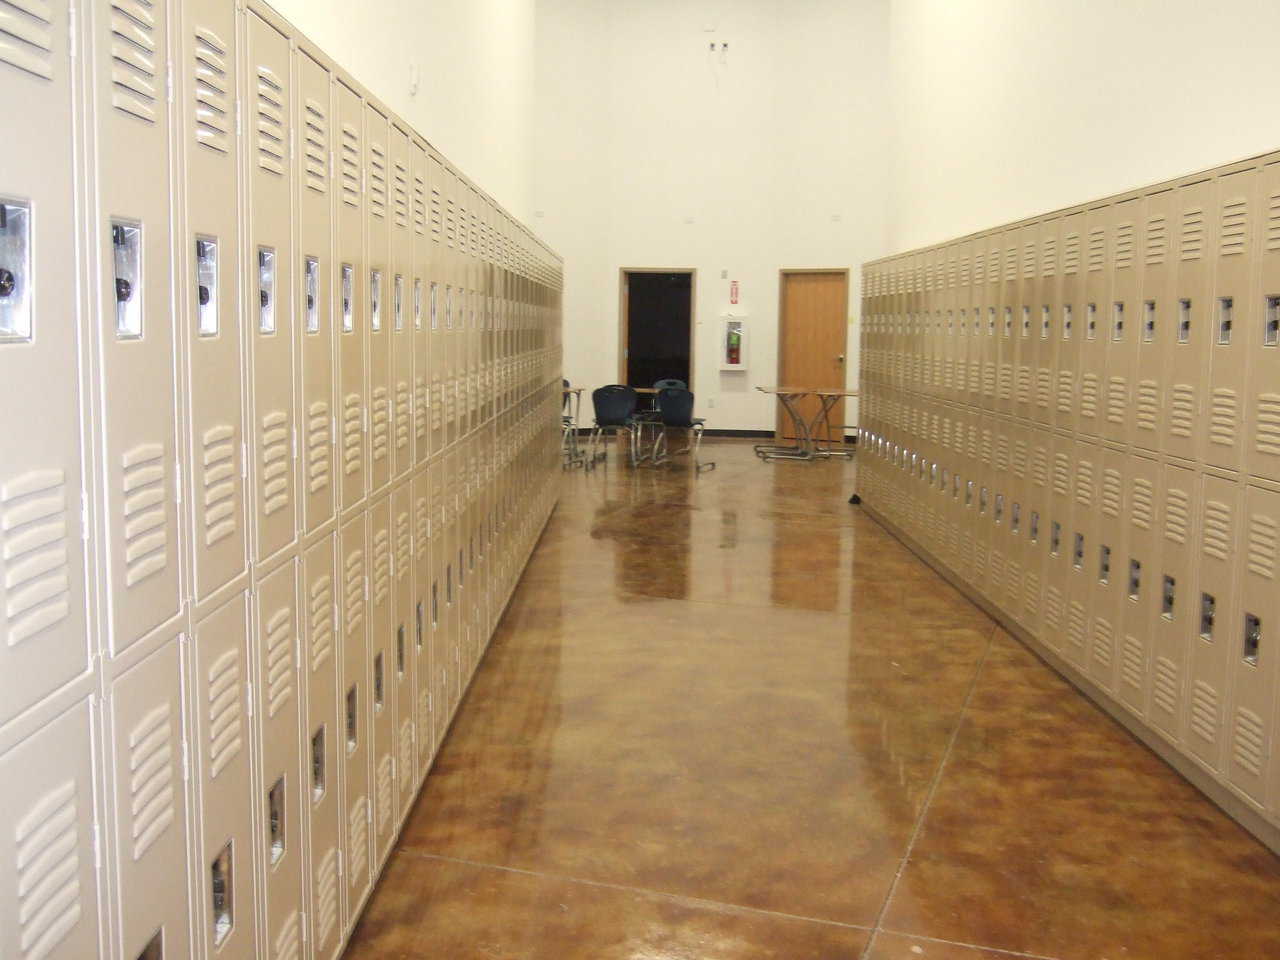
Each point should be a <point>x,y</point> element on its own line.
<point>1151,318</point>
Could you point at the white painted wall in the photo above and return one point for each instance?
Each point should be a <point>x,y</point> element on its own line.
<point>1007,108</point>
<point>475,66</point>
<point>651,152</point>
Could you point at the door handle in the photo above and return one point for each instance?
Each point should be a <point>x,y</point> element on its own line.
<point>840,358</point>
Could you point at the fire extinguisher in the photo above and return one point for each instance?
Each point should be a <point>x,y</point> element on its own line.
<point>734,347</point>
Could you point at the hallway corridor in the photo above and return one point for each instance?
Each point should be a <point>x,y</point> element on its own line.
<point>728,717</point>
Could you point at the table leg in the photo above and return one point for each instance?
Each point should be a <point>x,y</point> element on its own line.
<point>823,415</point>
<point>803,449</point>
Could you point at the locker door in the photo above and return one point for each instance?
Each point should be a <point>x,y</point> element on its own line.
<point>213,315</point>
<point>1153,323</point>
<point>403,653</point>
<point>1109,570</point>
<point>435,312</point>
<point>1122,315</point>
<point>438,604</point>
<point>1236,314</point>
<point>228,895</point>
<point>1179,604</point>
<point>380,299</point>
<point>1026,338</point>
<point>1216,609</point>
<point>270,299</point>
<point>135,390</point>
<point>1006,304</point>
<point>321,749</point>
<point>403,201</point>
<point>471,333</point>
<point>42,590</point>
<point>421,619</point>
<point>355,711</point>
<point>451,276</point>
<point>1139,569</point>
<point>1080,541</point>
<point>1035,522</point>
<point>1253,661</point>
<point>352,287</point>
<point>1070,323</point>
<point>1189,345</point>
<point>422,250</point>
<point>315,281</point>
<point>280,786</point>
<point>1262,420</point>
<point>147,780</point>
<point>49,897</point>
<point>1046,312</point>
<point>1099,236</point>
<point>382,690</point>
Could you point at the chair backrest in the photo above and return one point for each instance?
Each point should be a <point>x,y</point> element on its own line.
<point>564,404</point>
<point>613,404</point>
<point>676,406</point>
<point>663,384</point>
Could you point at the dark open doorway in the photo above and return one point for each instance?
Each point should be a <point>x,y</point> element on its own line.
<point>657,325</point>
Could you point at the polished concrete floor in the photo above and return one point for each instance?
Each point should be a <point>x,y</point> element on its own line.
<point>727,716</point>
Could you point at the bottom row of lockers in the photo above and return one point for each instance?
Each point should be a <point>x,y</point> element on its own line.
<point>255,766</point>
<point>1155,579</point>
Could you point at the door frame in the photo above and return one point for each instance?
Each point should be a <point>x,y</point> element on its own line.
<point>624,318</point>
<point>782,329</point>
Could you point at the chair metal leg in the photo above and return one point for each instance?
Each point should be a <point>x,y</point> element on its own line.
<point>698,465</point>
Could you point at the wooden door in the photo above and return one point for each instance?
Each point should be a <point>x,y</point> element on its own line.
<point>812,328</point>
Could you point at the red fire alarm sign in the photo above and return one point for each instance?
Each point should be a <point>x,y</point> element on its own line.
<point>733,291</point>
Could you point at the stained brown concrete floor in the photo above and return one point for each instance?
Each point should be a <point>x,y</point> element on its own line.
<point>728,716</point>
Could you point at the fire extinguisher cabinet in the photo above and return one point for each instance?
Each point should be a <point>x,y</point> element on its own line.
<point>733,343</point>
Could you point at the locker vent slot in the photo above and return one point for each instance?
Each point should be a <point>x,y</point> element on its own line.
<point>1248,750</point>
<point>1071,254</point>
<point>1222,419</point>
<point>219,459</point>
<point>1031,594</point>
<point>1264,535</point>
<point>355,592</point>
<point>402,545</point>
<point>1132,658</point>
<point>401,194</point>
<point>1267,428</point>
<point>450,225</point>
<point>403,415</point>
<point>1252,638</point>
<point>33,553</point>
<point>318,427</point>
<point>275,823</point>
<point>1053,606</point>
<point>350,166</point>
<point>222,893</point>
<point>145,530</point>
<point>381,567</point>
<point>224,711</point>
<point>47,871</point>
<point>424,720</point>
<point>1192,240</point>
<point>319,762</point>
<point>1103,643</point>
<point>1097,248</point>
<point>289,939</point>
<point>1111,493</point>
<point>1182,406</point>
<point>1235,227</point>
<point>271,113</point>
<point>421,403</point>
<point>212,104</point>
<point>377,179</point>
<point>151,794</point>
<point>1217,530</point>
<point>1028,260</point>
<point>280,643</point>
<point>1066,391</point>
<point>1010,264</point>
<point>405,768</point>
<point>436,217</point>
<point>1157,241</point>
<point>133,58</point>
<point>1147,404</point>
<point>1124,245</point>
<point>421,521</point>
<point>1076,627</point>
<point>1164,690</point>
<point>326,907</point>
<point>358,841</point>
<point>419,205</point>
<point>275,461</point>
<point>1204,712</point>
<point>1273,222</point>
<point>352,459</point>
<point>1048,258</point>
<point>26,36</point>
<point>380,427</point>
<point>1143,501</point>
<point>321,622</point>
<point>1040,467</point>
<point>315,147</point>
<point>1084,483</point>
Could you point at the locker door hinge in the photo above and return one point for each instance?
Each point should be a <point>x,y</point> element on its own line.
<point>341,871</point>
<point>84,515</point>
<point>186,761</point>
<point>391,562</point>
<point>366,590</point>
<point>248,693</point>
<point>336,621</point>
<point>333,429</point>
<point>177,481</point>
<point>293,433</point>
<point>97,847</point>
<point>297,650</point>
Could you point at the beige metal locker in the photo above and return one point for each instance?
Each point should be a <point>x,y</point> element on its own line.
<point>1187,361</point>
<point>435,298</point>
<point>1153,325</point>
<point>355,711</point>
<point>1070,322</point>
<point>380,300</point>
<point>403,653</point>
<point>1123,316</point>
<point>322,749</point>
<point>1025,337</point>
<point>1235,316</point>
<point>135,390</point>
<point>278,718</point>
<point>315,334</point>
<point>1046,312</point>
<point>1139,569</point>
<point>1252,662</point>
<point>352,291</point>
<point>442,652</point>
<point>1081,542</point>
<point>423,249</point>
<point>42,555</point>
<point>1109,570</point>
<point>1262,400</point>
<point>1179,604</point>
<point>272,274</point>
<point>226,840</point>
<point>423,675</point>
<point>210,263</point>
<point>1098,243</point>
<point>1217,612</point>
<point>381,710</point>
<point>49,891</point>
<point>402,303</point>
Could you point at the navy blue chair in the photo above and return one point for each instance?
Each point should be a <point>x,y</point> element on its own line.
<point>664,384</point>
<point>615,409</point>
<point>675,412</point>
